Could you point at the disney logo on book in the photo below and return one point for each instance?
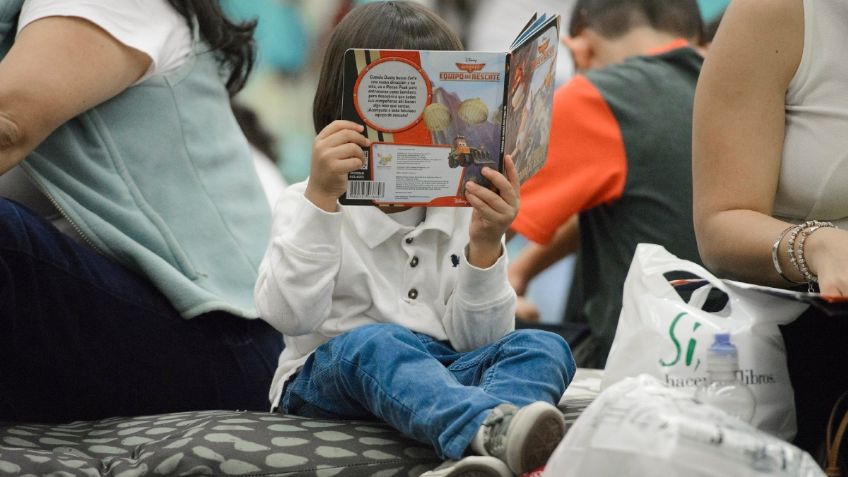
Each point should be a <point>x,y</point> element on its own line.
<point>469,72</point>
<point>470,67</point>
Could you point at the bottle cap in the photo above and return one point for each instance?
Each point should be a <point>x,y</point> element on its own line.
<point>722,355</point>
<point>722,345</point>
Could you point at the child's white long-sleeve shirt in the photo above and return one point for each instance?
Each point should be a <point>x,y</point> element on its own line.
<point>327,273</point>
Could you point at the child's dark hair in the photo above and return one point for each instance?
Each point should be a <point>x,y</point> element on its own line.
<point>613,18</point>
<point>395,25</point>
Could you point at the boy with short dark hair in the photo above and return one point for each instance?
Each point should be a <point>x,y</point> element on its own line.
<point>619,167</point>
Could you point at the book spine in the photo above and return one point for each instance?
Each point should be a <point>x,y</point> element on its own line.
<point>354,62</point>
<point>504,108</point>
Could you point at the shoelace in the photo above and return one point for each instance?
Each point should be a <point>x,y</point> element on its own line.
<point>496,426</point>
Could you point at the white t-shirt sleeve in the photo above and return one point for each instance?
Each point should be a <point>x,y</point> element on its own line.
<point>150,26</point>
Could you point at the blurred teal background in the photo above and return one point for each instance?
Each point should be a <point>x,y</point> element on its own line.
<point>712,9</point>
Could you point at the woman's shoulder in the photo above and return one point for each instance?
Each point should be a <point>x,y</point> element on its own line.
<point>748,20</point>
<point>759,43</point>
<point>767,10</point>
<point>153,27</point>
<point>143,13</point>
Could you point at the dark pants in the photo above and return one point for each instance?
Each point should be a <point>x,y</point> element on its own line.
<point>817,355</point>
<point>81,337</point>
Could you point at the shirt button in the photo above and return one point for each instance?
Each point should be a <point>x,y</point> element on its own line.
<point>413,262</point>
<point>413,294</point>
<point>408,240</point>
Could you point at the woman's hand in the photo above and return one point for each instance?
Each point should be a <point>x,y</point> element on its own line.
<point>336,152</point>
<point>826,253</point>
<point>493,213</point>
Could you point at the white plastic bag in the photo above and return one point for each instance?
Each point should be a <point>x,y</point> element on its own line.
<point>642,428</point>
<point>662,335</point>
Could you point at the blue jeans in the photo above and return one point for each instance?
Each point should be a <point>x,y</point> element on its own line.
<point>82,337</point>
<point>423,387</point>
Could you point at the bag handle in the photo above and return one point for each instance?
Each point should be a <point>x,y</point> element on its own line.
<point>833,443</point>
<point>654,261</point>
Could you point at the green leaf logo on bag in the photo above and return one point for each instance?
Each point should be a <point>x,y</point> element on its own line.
<point>690,347</point>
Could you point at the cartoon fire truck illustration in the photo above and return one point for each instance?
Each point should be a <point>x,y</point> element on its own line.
<point>473,159</point>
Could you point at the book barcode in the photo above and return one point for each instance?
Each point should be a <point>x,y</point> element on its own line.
<point>366,190</point>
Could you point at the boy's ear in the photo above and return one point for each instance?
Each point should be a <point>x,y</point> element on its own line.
<point>581,50</point>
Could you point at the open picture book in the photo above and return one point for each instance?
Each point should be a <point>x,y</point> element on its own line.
<point>437,118</point>
<point>830,305</point>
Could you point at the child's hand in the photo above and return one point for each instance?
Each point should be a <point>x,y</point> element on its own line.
<point>337,151</point>
<point>493,213</point>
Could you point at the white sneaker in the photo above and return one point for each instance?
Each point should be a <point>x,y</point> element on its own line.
<point>471,466</point>
<point>523,438</point>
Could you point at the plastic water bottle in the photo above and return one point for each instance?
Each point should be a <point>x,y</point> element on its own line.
<point>723,389</point>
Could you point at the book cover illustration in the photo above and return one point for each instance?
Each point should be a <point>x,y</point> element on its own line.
<point>530,100</point>
<point>830,305</point>
<point>437,118</point>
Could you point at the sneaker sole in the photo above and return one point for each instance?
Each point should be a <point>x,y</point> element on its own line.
<point>540,440</point>
<point>476,473</point>
<point>473,466</point>
<point>541,443</point>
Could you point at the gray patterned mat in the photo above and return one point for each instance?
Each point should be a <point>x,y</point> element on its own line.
<point>210,443</point>
<point>227,443</point>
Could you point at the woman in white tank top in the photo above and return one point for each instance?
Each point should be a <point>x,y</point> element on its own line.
<point>770,169</point>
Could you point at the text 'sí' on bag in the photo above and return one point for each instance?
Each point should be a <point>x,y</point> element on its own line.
<point>672,309</point>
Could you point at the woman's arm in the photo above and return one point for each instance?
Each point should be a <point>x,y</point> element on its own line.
<point>58,68</point>
<point>738,137</point>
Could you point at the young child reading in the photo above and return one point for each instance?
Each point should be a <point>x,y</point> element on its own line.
<point>406,315</point>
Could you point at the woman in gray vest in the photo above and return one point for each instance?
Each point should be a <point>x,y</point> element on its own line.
<point>126,281</point>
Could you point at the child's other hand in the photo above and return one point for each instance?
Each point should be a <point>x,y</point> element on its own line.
<point>525,310</point>
<point>337,150</point>
<point>493,213</point>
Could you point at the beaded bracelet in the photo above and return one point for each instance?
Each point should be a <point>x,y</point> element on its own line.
<point>790,244</point>
<point>802,260</point>
<point>774,255</point>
